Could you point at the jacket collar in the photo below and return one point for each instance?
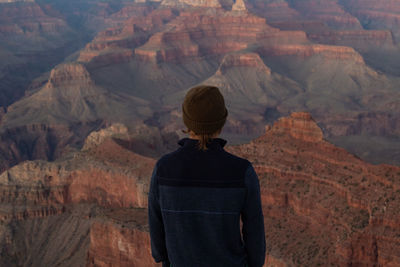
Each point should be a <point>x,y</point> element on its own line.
<point>216,143</point>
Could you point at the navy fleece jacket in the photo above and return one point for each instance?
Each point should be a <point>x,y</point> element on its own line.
<point>196,200</point>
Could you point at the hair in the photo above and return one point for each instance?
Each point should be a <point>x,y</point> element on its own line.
<point>204,138</point>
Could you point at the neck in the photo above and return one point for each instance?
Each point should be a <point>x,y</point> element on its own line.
<point>197,137</point>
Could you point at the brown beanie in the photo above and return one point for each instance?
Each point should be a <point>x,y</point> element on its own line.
<point>204,110</point>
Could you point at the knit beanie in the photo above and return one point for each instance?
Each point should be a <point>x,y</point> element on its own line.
<point>204,110</point>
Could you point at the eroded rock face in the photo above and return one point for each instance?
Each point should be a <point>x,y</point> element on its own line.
<point>121,240</point>
<point>376,14</point>
<point>320,203</point>
<point>234,69</point>
<point>108,188</point>
<point>96,138</point>
<point>378,123</point>
<point>29,19</point>
<point>239,5</point>
<point>154,51</point>
<point>196,34</point>
<point>77,190</point>
<point>39,188</point>
<point>33,38</point>
<point>305,51</point>
<point>252,60</point>
<point>65,74</point>
<point>40,141</point>
<point>330,12</point>
<point>361,39</point>
<point>275,10</point>
<point>195,3</point>
<point>300,126</point>
<point>115,45</point>
<point>310,189</point>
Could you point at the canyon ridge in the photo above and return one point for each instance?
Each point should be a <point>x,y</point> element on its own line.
<point>321,204</point>
<point>90,98</point>
<point>66,65</point>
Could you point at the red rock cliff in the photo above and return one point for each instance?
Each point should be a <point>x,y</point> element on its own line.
<point>321,204</point>
<point>196,34</point>
<point>115,45</point>
<point>304,51</point>
<point>29,19</point>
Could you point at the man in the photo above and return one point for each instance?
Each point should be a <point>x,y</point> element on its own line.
<point>199,192</point>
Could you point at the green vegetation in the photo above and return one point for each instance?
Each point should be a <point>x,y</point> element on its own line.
<point>360,220</point>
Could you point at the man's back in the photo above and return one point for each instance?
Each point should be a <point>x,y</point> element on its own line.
<point>196,199</point>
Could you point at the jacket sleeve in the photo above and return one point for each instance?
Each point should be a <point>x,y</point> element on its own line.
<point>156,225</point>
<point>253,221</point>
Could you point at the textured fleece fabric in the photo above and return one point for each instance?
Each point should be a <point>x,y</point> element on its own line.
<point>196,200</point>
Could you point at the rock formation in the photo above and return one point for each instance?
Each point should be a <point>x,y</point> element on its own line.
<point>129,244</point>
<point>41,141</point>
<point>115,45</point>
<point>238,67</point>
<point>53,120</point>
<point>304,51</point>
<point>71,94</point>
<point>69,74</point>
<point>330,12</point>
<point>243,60</point>
<point>29,19</point>
<point>362,40</point>
<point>321,204</point>
<point>13,1</point>
<point>198,34</point>
<point>326,57</point>
<point>376,14</point>
<point>275,10</point>
<point>239,5</point>
<point>195,3</point>
<point>79,189</point>
<point>32,38</point>
<point>95,139</point>
<point>300,126</point>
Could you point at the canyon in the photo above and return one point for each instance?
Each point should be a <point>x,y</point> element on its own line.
<point>138,59</point>
<point>90,98</point>
<point>321,204</point>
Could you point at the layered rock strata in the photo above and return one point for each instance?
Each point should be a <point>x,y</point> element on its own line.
<point>193,35</point>
<point>362,40</point>
<point>375,15</point>
<point>28,19</point>
<point>330,12</point>
<point>115,45</point>
<point>102,188</point>
<point>321,204</point>
<point>306,51</point>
